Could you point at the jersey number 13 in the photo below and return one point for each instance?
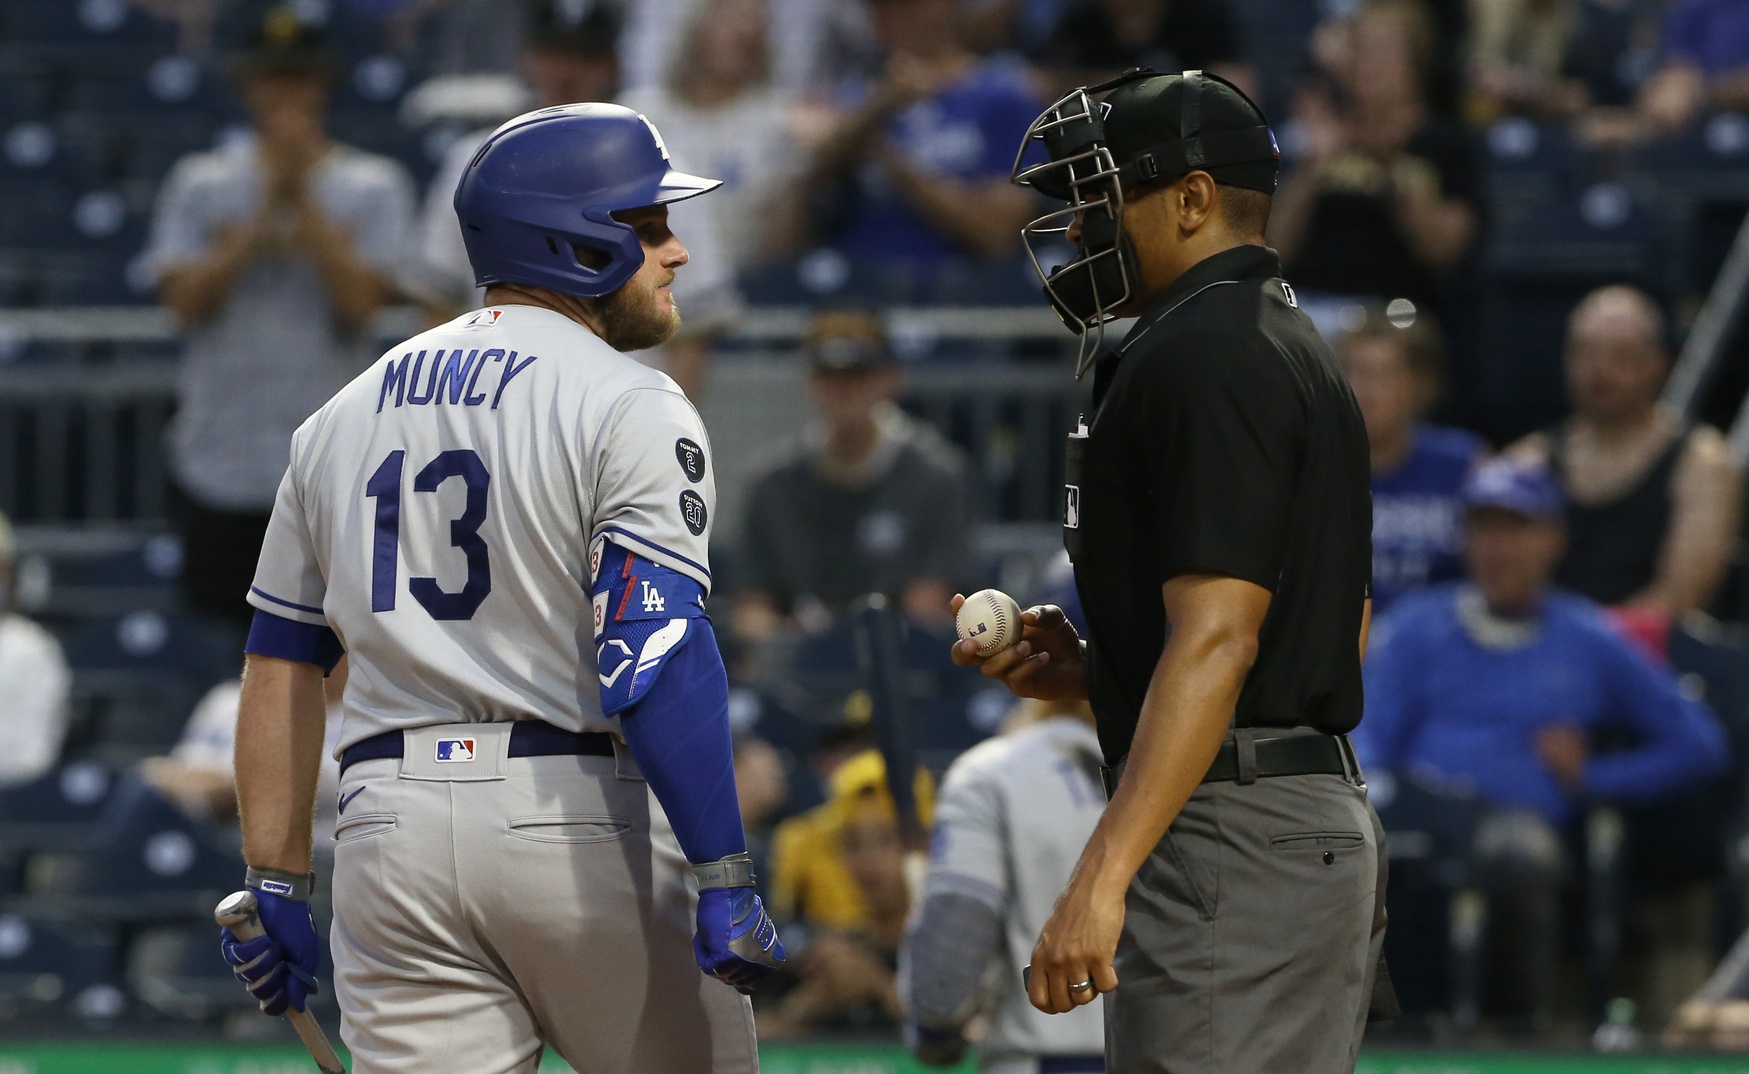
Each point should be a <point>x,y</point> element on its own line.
<point>464,533</point>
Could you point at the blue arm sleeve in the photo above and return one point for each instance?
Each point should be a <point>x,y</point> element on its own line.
<point>1684,743</point>
<point>679,733</point>
<point>289,639</point>
<point>662,674</point>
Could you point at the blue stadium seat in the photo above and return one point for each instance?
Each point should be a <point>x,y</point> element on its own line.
<point>1530,166</point>
<point>113,583</point>
<point>1537,269</point>
<point>86,279</point>
<point>143,673</point>
<point>146,861</point>
<point>57,968</point>
<point>81,21</point>
<point>1709,162</point>
<point>36,213</point>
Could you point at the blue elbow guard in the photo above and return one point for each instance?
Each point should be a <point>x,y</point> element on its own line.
<point>643,617</point>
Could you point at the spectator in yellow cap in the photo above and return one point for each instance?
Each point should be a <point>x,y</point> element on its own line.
<point>34,680</point>
<point>839,870</point>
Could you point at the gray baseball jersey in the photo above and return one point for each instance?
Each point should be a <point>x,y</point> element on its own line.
<point>438,515</point>
<point>1012,818</point>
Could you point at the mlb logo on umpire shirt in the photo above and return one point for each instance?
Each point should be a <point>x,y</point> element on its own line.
<point>455,750</point>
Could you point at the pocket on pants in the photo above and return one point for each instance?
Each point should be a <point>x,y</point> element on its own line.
<point>1194,892</point>
<point>1316,841</point>
<point>565,828</point>
<point>364,826</point>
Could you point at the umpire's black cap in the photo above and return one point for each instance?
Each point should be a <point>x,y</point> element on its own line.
<point>1148,117</point>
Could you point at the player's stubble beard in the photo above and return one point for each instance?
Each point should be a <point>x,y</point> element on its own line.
<point>634,318</point>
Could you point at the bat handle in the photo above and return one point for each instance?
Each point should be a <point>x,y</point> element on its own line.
<point>240,913</point>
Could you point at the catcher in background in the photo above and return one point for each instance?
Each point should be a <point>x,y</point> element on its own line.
<point>1012,818</point>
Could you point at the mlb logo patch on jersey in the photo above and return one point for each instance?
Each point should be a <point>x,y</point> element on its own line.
<point>484,319</point>
<point>455,750</point>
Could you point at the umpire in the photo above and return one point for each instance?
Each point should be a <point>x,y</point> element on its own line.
<point>1218,514</point>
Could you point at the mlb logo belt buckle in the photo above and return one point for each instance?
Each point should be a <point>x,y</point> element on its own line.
<point>455,750</point>
<point>456,753</point>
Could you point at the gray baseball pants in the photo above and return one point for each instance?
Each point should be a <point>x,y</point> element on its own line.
<point>1252,934</point>
<point>483,909</point>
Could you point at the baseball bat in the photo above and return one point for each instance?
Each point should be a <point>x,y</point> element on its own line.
<point>880,647</point>
<point>239,914</point>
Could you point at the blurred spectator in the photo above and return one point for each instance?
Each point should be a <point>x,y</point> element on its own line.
<point>199,773</point>
<point>762,788</point>
<point>1095,39</point>
<point>563,62</point>
<point>461,36</point>
<point>876,502</point>
<point>721,118</point>
<point>274,253</point>
<point>1417,468</point>
<point>570,58</point>
<point>1717,1014</point>
<point>1550,58</point>
<point>1706,63</point>
<point>1653,502</point>
<point>34,680</point>
<point>1014,815</point>
<point>1381,200</point>
<point>846,966</point>
<point>925,149</point>
<point>812,880</point>
<point>1504,685</point>
<point>811,42</point>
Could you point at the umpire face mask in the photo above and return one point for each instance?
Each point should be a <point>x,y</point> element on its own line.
<point>1097,150</point>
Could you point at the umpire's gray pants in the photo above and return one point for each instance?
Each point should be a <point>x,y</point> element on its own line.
<point>1252,934</point>
<point>478,915</point>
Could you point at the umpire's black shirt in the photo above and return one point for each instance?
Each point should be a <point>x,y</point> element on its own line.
<point>1225,441</point>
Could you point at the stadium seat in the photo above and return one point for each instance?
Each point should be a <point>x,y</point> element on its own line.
<point>1429,830</point>
<point>1538,268</point>
<point>81,21</point>
<point>1531,165</point>
<point>142,674</point>
<point>45,813</point>
<point>145,861</point>
<point>1708,161</point>
<point>109,584</point>
<point>52,968</point>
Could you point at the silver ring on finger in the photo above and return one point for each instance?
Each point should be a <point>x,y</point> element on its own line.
<point>1084,986</point>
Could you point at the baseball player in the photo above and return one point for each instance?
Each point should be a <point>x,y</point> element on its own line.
<point>504,523</point>
<point>1013,815</point>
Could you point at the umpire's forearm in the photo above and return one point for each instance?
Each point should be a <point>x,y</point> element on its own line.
<point>280,722</point>
<point>1184,719</point>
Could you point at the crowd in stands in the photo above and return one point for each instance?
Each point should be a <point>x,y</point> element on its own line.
<point>1529,575</point>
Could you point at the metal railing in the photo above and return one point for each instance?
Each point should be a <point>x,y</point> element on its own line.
<point>1709,342</point>
<point>84,442</point>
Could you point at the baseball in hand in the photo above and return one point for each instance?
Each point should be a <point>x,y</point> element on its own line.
<point>990,619</point>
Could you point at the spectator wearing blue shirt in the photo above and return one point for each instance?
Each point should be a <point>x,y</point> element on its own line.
<point>1501,685</point>
<point>925,150</point>
<point>1706,63</point>
<point>1417,468</point>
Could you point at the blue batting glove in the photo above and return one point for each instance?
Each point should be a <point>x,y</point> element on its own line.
<point>279,968</point>
<point>736,941</point>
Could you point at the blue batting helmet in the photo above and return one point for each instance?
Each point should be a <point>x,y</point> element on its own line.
<point>549,181</point>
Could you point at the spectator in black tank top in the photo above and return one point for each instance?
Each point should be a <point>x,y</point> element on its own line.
<point>1653,501</point>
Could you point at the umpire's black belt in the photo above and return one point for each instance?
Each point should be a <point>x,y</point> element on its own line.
<point>528,738</point>
<point>1247,756</point>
